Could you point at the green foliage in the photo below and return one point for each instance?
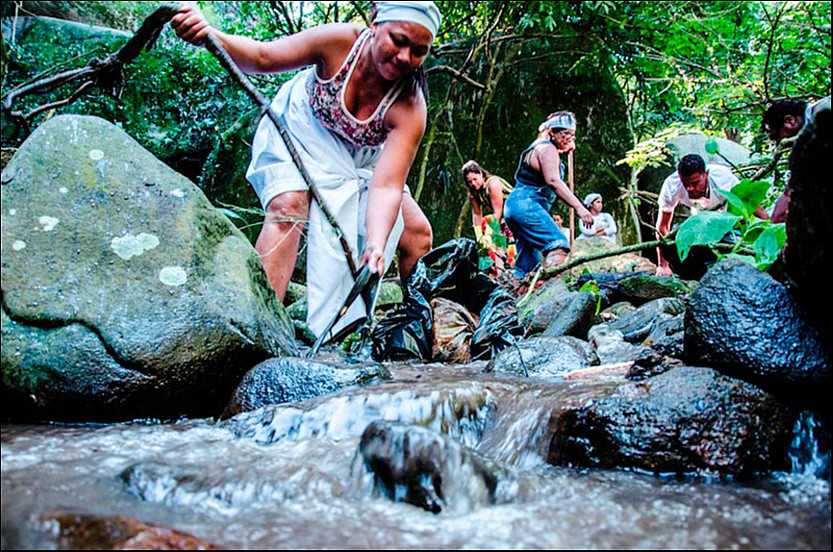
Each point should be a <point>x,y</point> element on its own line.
<point>592,287</point>
<point>757,242</point>
<point>704,228</point>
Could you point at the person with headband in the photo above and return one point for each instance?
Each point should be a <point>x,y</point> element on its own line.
<point>356,114</point>
<point>538,180</point>
<point>603,223</point>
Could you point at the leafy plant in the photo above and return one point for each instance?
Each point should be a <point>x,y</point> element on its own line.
<point>754,241</point>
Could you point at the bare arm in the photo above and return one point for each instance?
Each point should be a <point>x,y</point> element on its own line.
<point>312,46</point>
<point>549,162</point>
<point>496,197</point>
<point>476,212</point>
<point>407,119</point>
<point>663,228</point>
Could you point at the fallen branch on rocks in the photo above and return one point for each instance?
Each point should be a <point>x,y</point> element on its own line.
<point>606,370</point>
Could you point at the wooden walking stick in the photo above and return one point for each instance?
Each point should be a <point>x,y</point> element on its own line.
<point>572,191</point>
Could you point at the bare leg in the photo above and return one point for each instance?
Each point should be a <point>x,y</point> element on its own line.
<point>555,258</point>
<point>417,237</point>
<point>278,241</point>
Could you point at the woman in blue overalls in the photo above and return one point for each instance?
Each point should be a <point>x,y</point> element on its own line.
<point>538,180</point>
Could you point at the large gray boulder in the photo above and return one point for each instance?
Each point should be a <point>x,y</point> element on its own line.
<point>743,322</point>
<point>125,293</point>
<point>685,420</point>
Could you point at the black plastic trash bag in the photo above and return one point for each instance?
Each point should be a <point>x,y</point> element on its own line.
<point>498,327</point>
<point>449,271</point>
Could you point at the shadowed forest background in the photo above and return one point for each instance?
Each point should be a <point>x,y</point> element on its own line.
<point>635,74</point>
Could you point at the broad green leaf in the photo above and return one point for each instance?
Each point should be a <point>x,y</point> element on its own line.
<point>751,193</point>
<point>703,229</point>
<point>736,205</point>
<point>593,288</point>
<point>755,230</point>
<point>711,146</point>
<point>769,244</point>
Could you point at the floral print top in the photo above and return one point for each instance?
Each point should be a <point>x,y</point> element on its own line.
<point>326,98</point>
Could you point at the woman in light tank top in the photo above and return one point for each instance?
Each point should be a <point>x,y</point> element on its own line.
<point>358,114</point>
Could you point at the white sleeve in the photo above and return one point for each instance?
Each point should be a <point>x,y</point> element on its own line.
<point>723,177</point>
<point>611,225</point>
<point>667,200</point>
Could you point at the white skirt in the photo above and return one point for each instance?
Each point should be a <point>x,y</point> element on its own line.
<point>341,173</point>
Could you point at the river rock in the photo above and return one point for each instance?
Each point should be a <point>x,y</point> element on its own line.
<point>429,470</point>
<point>641,289</point>
<point>637,325</point>
<point>685,420</point>
<point>390,294</point>
<point>544,357</point>
<point>295,292</point>
<point>286,380</point>
<point>626,262</point>
<point>610,345</point>
<point>551,292</point>
<point>743,322</point>
<point>668,336</point>
<point>608,283</point>
<point>616,311</point>
<point>575,318</point>
<point>80,531</point>
<point>125,293</point>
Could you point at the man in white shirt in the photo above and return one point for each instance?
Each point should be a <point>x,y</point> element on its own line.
<point>696,185</point>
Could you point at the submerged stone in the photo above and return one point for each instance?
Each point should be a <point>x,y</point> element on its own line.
<point>429,470</point>
<point>685,420</point>
<point>82,531</point>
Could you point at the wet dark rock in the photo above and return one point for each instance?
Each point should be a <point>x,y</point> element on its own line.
<point>643,288</point>
<point>610,345</point>
<point>668,336</point>
<point>637,325</point>
<point>284,380</point>
<point>575,318</point>
<point>427,469</point>
<point>123,299</point>
<point>808,255</point>
<point>744,323</point>
<point>649,363</point>
<point>80,531</point>
<point>544,357</point>
<point>685,420</point>
<point>298,310</point>
<point>608,283</point>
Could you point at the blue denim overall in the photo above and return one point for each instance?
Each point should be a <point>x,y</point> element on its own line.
<point>527,214</point>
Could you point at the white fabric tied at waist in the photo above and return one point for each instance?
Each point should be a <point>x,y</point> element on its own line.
<point>341,173</point>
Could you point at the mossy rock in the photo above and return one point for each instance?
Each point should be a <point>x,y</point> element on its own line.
<point>125,293</point>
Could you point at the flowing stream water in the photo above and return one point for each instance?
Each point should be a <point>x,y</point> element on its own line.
<point>291,476</point>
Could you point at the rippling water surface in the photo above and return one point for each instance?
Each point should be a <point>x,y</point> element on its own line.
<point>290,476</point>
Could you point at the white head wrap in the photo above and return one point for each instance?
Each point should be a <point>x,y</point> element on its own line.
<point>559,120</point>
<point>422,13</point>
<point>590,198</point>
